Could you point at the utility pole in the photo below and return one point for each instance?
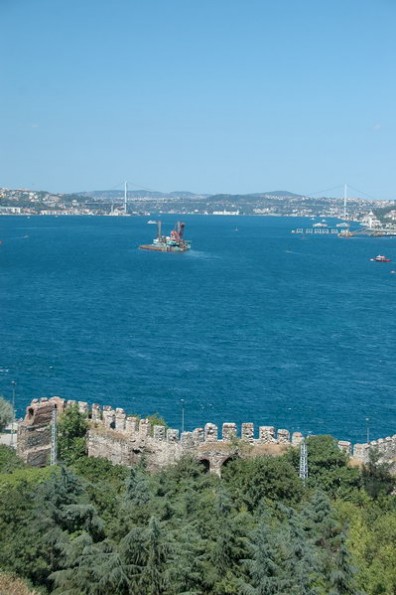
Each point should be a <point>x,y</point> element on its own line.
<point>13,384</point>
<point>182,415</point>
<point>303,460</point>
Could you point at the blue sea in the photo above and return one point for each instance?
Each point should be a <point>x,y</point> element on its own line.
<point>254,324</point>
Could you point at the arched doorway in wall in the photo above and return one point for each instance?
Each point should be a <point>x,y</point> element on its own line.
<point>205,464</point>
<point>227,462</point>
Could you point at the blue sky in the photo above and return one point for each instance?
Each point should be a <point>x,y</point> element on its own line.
<point>209,96</point>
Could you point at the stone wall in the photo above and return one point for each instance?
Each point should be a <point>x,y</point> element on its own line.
<point>34,433</point>
<point>124,440</point>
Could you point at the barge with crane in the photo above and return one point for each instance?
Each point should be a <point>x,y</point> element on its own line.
<point>175,242</point>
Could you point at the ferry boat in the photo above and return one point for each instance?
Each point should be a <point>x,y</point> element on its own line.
<point>380,258</point>
<point>175,242</point>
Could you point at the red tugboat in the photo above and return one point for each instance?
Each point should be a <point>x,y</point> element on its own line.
<point>380,258</point>
<point>175,242</point>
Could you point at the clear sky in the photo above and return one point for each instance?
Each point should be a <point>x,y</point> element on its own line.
<point>203,95</point>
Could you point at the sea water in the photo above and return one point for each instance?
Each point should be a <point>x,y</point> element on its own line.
<point>254,324</point>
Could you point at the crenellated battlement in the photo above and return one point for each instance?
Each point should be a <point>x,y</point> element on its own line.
<point>124,439</point>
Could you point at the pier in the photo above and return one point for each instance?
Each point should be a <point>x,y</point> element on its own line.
<point>317,230</point>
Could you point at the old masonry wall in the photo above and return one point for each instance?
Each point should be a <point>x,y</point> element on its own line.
<point>124,439</point>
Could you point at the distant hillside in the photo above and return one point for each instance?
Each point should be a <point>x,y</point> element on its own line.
<point>185,194</point>
<point>149,202</point>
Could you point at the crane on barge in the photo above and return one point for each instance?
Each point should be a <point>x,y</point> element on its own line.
<point>175,242</point>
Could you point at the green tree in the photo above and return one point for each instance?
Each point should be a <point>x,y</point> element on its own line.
<point>252,480</point>
<point>72,429</point>
<point>154,579</point>
<point>372,543</point>
<point>327,466</point>
<point>332,571</point>
<point>6,413</point>
<point>9,460</point>
<point>103,482</point>
<point>376,477</point>
<point>301,560</point>
<point>266,564</point>
<point>137,564</point>
<point>22,547</point>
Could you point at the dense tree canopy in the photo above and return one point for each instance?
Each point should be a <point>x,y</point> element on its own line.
<point>94,528</point>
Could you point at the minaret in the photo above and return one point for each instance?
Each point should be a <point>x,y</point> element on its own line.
<point>345,200</point>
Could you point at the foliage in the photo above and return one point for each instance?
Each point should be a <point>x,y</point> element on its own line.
<point>28,477</point>
<point>156,420</point>
<point>254,479</point>
<point>94,528</point>
<point>72,428</point>
<point>6,413</point>
<point>327,466</point>
<point>103,482</point>
<point>376,477</point>
<point>9,460</point>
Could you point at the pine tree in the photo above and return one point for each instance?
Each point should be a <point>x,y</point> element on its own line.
<point>333,570</point>
<point>266,567</point>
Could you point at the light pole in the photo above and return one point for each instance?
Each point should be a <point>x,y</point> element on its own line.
<point>13,384</point>
<point>182,415</point>
<point>367,430</point>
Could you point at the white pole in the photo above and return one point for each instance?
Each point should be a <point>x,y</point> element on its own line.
<point>13,383</point>
<point>182,414</point>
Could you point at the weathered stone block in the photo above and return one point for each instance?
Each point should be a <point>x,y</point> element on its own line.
<point>297,438</point>
<point>108,417</point>
<point>144,428</point>
<point>96,412</point>
<point>159,433</point>
<point>247,432</point>
<point>120,419</point>
<point>172,435</point>
<point>199,435</point>
<point>187,439</point>
<point>131,425</point>
<point>283,436</point>
<point>83,407</point>
<point>345,446</point>
<point>38,458</point>
<point>211,432</point>
<point>229,431</point>
<point>39,413</point>
<point>267,434</point>
<point>361,452</point>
